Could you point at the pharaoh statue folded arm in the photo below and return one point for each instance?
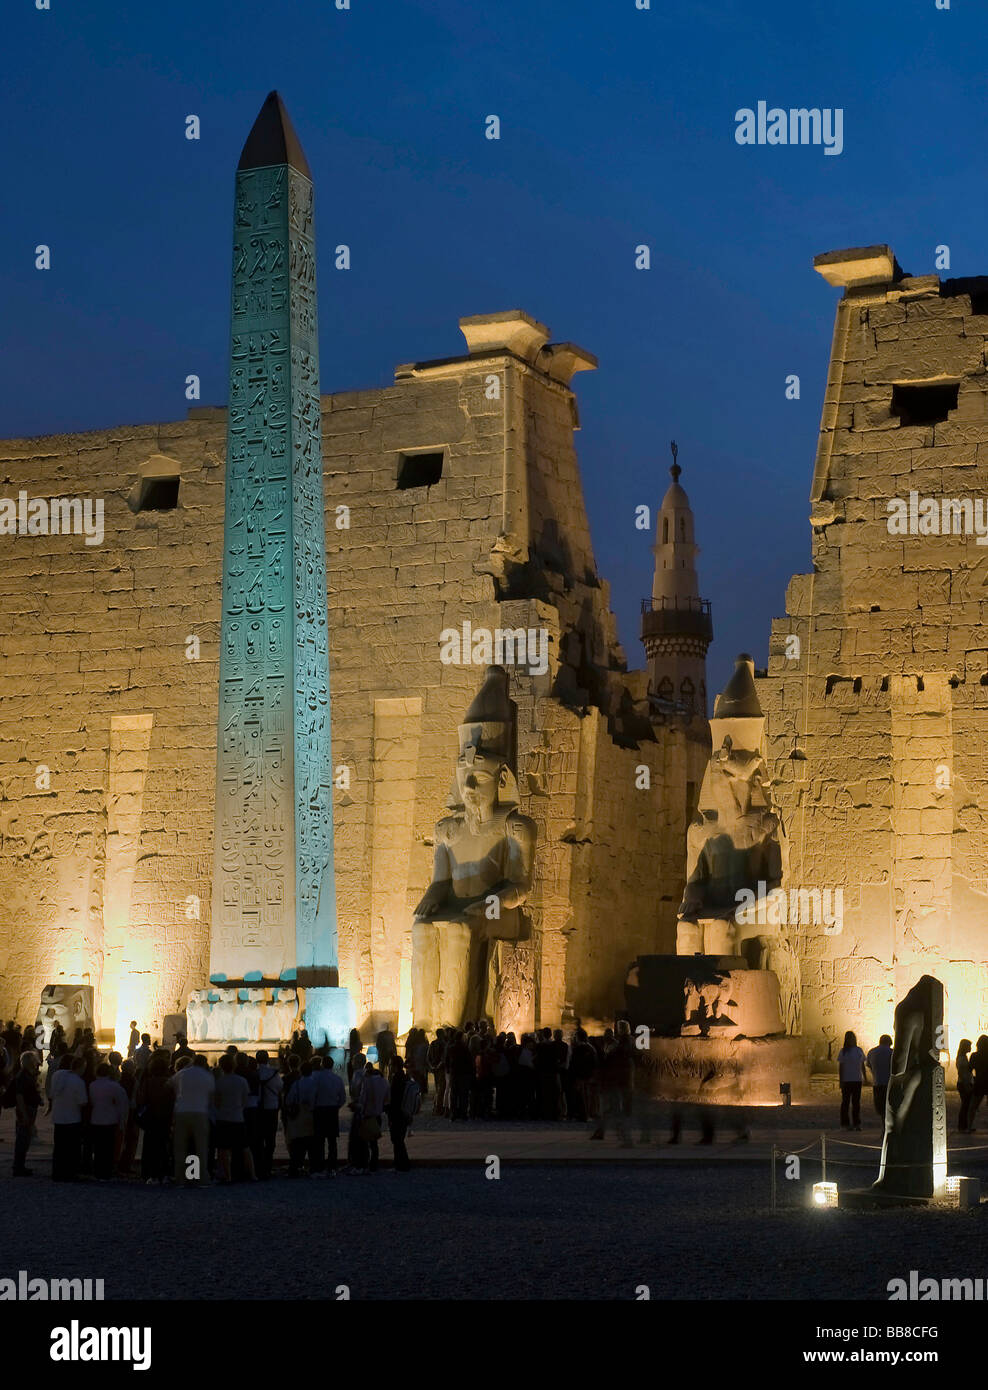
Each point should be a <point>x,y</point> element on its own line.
<point>448,897</point>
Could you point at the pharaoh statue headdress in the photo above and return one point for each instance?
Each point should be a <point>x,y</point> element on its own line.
<point>490,730</point>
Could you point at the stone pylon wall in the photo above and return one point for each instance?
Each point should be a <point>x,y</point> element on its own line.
<point>105,873</point>
<point>877,692</point>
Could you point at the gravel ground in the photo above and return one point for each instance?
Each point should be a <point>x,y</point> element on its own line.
<point>696,1225</point>
<point>537,1233</point>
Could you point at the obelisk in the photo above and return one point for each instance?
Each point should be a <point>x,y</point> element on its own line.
<point>274,900</point>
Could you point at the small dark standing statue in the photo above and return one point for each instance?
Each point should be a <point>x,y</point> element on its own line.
<point>914,1151</point>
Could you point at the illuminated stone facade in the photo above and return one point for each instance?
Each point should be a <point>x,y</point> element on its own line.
<point>877,691</point>
<point>106,874</point>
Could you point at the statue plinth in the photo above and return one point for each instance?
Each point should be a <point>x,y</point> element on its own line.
<point>268,1014</point>
<point>226,1013</point>
<point>330,1013</point>
<point>715,1031</point>
<point>703,996</point>
<point>734,1004</point>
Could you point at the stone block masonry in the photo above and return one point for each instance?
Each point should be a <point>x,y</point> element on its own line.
<point>105,873</point>
<point>877,728</point>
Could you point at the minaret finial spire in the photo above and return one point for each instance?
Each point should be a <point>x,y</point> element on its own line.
<point>676,626</point>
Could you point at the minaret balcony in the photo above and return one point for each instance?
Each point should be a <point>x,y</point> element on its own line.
<point>667,617</point>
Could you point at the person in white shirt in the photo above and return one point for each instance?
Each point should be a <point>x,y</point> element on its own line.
<point>851,1074</point>
<point>68,1098</point>
<point>330,1095</point>
<point>194,1089</point>
<point>107,1120</point>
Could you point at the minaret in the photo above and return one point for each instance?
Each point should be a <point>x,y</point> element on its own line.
<point>274,901</point>
<point>676,624</point>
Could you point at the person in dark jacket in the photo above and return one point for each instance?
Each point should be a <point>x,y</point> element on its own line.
<point>398,1121</point>
<point>155,1102</point>
<point>617,1082</point>
<point>386,1049</point>
<point>354,1048</point>
<point>437,1065</point>
<point>459,1077</point>
<point>979,1079</point>
<point>583,1064</point>
<point>965,1083</point>
<point>27,1101</point>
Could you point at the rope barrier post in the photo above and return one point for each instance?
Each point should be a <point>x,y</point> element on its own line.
<point>823,1157</point>
<point>773,1177</point>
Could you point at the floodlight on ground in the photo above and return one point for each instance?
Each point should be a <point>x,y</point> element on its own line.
<point>962,1192</point>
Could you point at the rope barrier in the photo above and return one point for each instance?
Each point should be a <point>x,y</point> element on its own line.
<point>962,1149</point>
<point>859,1163</point>
<point>784,1153</point>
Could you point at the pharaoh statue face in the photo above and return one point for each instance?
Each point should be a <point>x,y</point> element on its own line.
<point>737,763</point>
<point>478,779</point>
<point>69,1005</point>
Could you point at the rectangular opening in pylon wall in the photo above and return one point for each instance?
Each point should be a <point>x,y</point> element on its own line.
<point>420,470</point>
<point>158,495</point>
<point>924,403</point>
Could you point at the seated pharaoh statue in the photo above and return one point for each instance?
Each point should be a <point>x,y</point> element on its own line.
<point>733,847</point>
<point>735,850</point>
<point>482,869</point>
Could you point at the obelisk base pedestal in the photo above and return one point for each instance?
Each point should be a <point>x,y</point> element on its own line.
<point>330,1013</point>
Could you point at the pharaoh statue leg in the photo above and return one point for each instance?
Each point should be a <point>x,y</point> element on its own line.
<point>443,969</point>
<point>455,955</point>
<point>425,976</point>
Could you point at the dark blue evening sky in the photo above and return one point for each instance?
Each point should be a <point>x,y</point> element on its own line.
<point>617,128</point>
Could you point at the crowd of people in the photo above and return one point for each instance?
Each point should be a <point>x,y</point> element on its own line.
<point>193,1122</point>
<point>167,1114</point>
<point>972,1080</point>
<point>479,1075</point>
<point>856,1068</point>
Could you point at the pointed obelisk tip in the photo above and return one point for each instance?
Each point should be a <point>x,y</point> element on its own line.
<point>272,139</point>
